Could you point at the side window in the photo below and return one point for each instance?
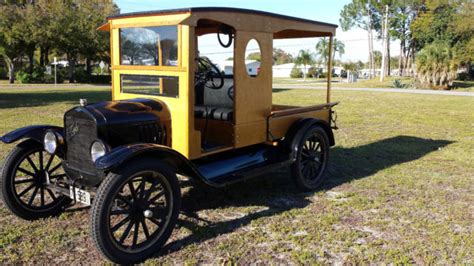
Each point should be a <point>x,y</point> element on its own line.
<point>253,58</point>
<point>150,85</point>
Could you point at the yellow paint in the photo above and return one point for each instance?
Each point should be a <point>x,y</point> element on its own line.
<point>156,20</point>
<point>179,107</point>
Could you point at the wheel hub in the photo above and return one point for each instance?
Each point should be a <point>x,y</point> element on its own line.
<point>41,178</point>
<point>148,213</point>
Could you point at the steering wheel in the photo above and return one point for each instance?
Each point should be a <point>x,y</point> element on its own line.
<point>208,74</point>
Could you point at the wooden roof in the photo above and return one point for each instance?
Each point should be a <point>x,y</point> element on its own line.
<point>244,20</point>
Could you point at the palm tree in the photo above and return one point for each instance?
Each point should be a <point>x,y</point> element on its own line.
<point>436,65</point>
<point>323,50</point>
<point>337,47</point>
<point>304,58</point>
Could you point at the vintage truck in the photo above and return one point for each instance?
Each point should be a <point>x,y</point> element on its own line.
<point>172,113</point>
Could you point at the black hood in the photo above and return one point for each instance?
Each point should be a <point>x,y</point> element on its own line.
<point>135,111</point>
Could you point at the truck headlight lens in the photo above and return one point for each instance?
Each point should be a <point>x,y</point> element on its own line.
<point>50,142</point>
<point>98,150</point>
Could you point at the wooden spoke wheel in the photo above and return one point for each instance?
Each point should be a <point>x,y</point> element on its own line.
<point>135,211</point>
<point>311,161</point>
<point>24,182</point>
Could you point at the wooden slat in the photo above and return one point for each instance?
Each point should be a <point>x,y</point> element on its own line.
<point>299,110</point>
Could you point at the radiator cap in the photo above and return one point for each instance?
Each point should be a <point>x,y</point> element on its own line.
<point>83,102</point>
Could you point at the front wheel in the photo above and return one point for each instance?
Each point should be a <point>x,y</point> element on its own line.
<point>311,159</point>
<point>25,175</point>
<point>135,211</point>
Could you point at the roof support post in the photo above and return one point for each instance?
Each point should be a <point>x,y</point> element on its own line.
<point>328,99</point>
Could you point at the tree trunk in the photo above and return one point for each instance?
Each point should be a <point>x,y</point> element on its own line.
<point>384,44</point>
<point>31,60</point>
<point>88,66</point>
<point>371,43</point>
<point>42,57</point>
<point>389,59</point>
<point>72,66</point>
<point>304,72</point>
<point>46,56</point>
<point>401,58</point>
<point>11,71</point>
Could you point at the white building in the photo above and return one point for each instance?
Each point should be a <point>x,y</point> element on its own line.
<point>253,67</point>
<point>284,70</point>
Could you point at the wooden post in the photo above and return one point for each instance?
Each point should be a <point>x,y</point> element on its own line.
<point>328,99</point>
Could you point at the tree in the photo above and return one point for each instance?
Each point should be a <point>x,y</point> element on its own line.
<point>362,14</point>
<point>436,64</point>
<point>11,41</point>
<point>338,48</point>
<point>257,56</point>
<point>322,49</point>
<point>403,16</point>
<point>377,59</point>
<point>444,40</point>
<point>304,58</point>
<point>350,68</point>
<point>281,57</point>
<point>96,44</point>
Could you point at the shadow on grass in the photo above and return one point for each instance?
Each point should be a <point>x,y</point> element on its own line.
<point>33,99</point>
<point>275,193</point>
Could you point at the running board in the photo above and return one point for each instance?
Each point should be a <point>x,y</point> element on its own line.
<point>238,165</point>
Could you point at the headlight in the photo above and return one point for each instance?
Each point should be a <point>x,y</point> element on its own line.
<point>50,142</point>
<point>98,150</point>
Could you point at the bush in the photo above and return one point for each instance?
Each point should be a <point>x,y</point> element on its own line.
<point>38,76</point>
<point>398,84</point>
<point>81,76</point>
<point>101,79</point>
<point>23,77</point>
<point>314,72</point>
<point>3,72</point>
<point>296,73</point>
<point>35,77</point>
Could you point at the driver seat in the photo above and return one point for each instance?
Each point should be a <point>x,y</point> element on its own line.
<point>217,104</point>
<point>214,112</point>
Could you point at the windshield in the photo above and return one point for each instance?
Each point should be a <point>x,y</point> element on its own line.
<point>149,46</point>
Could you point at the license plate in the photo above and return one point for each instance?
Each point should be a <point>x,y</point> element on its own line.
<point>82,196</point>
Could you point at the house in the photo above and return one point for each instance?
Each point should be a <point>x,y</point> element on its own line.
<point>253,67</point>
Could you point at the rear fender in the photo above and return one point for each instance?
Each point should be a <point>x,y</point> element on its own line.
<point>297,131</point>
<point>31,132</point>
<point>123,154</point>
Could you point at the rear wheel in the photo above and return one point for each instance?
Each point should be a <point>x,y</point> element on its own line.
<point>312,157</point>
<point>135,211</point>
<point>24,178</point>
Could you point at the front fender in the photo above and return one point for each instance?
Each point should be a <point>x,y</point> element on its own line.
<point>32,132</point>
<point>121,155</point>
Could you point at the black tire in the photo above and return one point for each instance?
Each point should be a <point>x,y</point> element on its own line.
<point>120,204</point>
<point>308,171</point>
<point>23,179</point>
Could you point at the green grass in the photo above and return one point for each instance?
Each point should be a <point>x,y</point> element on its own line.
<point>407,82</point>
<point>399,190</point>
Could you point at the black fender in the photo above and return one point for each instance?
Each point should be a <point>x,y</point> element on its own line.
<point>122,154</point>
<point>298,129</point>
<point>31,132</point>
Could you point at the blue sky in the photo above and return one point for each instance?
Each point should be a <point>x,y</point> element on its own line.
<point>321,10</point>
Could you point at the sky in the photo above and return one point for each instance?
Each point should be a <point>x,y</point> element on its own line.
<point>355,40</point>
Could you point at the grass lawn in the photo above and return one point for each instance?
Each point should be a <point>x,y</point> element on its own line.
<point>367,83</point>
<point>399,190</point>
